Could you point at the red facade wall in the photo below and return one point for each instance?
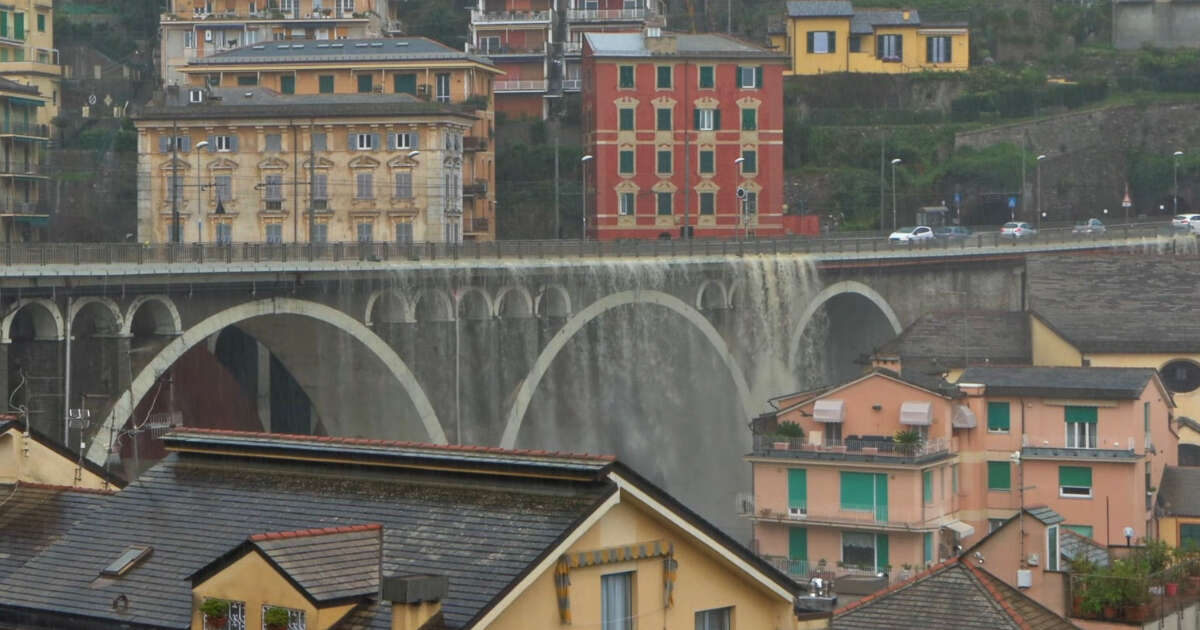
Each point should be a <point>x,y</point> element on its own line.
<point>601,93</point>
<point>520,105</point>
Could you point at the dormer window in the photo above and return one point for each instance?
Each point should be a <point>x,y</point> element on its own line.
<point>195,96</point>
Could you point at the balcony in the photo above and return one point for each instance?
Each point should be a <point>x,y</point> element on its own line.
<point>35,208</point>
<point>30,59</point>
<point>855,448</point>
<point>475,143</point>
<point>606,15</point>
<point>24,169</point>
<point>1102,448</point>
<point>10,128</point>
<point>478,225</point>
<point>477,188</point>
<point>572,49</point>
<point>572,85</point>
<point>928,517</point>
<point>536,85</point>
<point>510,17</point>
<point>198,14</point>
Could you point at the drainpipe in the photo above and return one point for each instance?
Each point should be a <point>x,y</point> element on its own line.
<point>1021,490</point>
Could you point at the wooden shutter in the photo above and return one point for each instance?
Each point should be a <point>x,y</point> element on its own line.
<point>414,140</point>
<point>233,142</point>
<point>758,77</point>
<point>716,120</point>
<point>879,46</point>
<point>351,141</point>
<point>185,143</point>
<point>164,144</point>
<point>832,43</point>
<point>810,41</point>
<point>797,488</point>
<point>928,50</point>
<point>900,47</point>
<point>737,76</point>
<point>375,142</point>
<point>696,118</point>
<point>212,144</point>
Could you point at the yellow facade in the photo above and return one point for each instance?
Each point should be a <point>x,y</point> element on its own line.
<point>470,87</point>
<point>24,459</point>
<point>1169,526</point>
<point>27,52</point>
<point>857,51</point>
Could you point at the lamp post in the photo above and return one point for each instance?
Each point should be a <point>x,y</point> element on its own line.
<point>1039,190</point>
<point>1176,156</point>
<point>583,191</point>
<point>745,219</point>
<point>199,190</point>
<point>895,161</point>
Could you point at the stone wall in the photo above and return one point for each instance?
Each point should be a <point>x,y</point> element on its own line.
<point>1161,23</point>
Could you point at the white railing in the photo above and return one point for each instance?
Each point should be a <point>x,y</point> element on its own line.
<point>520,86</point>
<point>1102,442</point>
<point>510,17</point>
<point>600,15</point>
<point>860,446</point>
<point>572,48</point>
<point>572,85</point>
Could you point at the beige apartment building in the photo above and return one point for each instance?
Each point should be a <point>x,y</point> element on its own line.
<point>233,165</point>
<point>190,29</point>
<point>27,52</point>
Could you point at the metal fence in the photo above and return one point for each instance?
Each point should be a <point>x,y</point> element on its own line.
<point>851,248</point>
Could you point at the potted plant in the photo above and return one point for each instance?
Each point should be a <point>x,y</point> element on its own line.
<point>908,441</point>
<point>215,612</point>
<point>786,433</point>
<point>276,618</point>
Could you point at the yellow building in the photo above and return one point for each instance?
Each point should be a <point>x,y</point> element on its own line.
<point>247,164</point>
<point>1179,504</point>
<point>413,66</point>
<point>322,532</point>
<point>822,36</point>
<point>27,52</point>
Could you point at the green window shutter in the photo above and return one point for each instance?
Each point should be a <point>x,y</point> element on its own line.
<point>706,162</point>
<point>1081,414</point>
<point>404,84</point>
<point>41,22</point>
<point>758,77</point>
<point>325,84</point>
<point>626,119</point>
<point>716,120</point>
<point>708,203</point>
<point>625,76</point>
<point>997,416</point>
<point>19,25</point>
<point>737,76</point>
<point>927,486</point>
<point>929,50</point>
<point>881,551</point>
<point>1087,530</point>
<point>810,41</point>
<point>664,119</point>
<point>287,85</point>
<point>365,83</point>
<point>879,46</point>
<point>750,161</point>
<point>1078,476</point>
<point>1052,552</point>
<point>797,488</point>
<point>798,544</point>
<point>858,491</point>
<point>626,162</point>
<point>664,161</point>
<point>706,76</point>
<point>928,544</point>
<point>1189,535</point>
<point>881,497</point>
<point>999,476</point>
<point>664,77</point>
<point>832,42</point>
<point>696,118</point>
<point>3,23</point>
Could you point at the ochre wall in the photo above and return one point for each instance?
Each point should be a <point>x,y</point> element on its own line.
<point>1049,348</point>
<point>250,579</point>
<point>42,465</point>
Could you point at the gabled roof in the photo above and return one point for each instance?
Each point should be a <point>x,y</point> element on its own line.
<point>953,594</point>
<point>706,45</point>
<point>1101,383</point>
<point>34,516</point>
<point>327,565</point>
<point>10,422</point>
<point>865,21</point>
<point>819,8</point>
<point>872,373</point>
<point>1179,491</point>
<point>340,51</point>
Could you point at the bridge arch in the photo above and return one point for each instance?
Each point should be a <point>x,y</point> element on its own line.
<point>388,306</point>
<point>105,314</point>
<point>576,323</point>
<point>161,309</point>
<point>514,302</point>
<point>198,333</point>
<point>711,295</point>
<point>473,303</point>
<point>432,305</point>
<point>47,319</point>
<point>553,300</point>
<point>845,287</point>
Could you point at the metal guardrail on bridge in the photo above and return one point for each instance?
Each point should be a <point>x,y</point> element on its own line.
<point>830,249</point>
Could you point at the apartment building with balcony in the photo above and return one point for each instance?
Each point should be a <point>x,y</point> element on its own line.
<point>250,165</point>
<point>24,171</point>
<point>190,29</point>
<point>381,68</point>
<point>847,494</point>
<point>686,132</point>
<point>27,52</point>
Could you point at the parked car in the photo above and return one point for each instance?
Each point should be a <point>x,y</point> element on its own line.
<point>1091,226</point>
<point>951,232</point>
<point>1185,221</point>
<point>906,234</point>
<point>1017,229</point>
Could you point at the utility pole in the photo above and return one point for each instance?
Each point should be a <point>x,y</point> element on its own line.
<point>557,207</point>
<point>175,232</point>
<point>295,183</point>
<point>882,158</point>
<point>312,189</point>
<point>687,160</point>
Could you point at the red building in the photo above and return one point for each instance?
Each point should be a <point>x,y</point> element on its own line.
<point>678,124</point>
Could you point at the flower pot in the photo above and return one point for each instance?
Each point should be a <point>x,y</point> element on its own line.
<point>1194,583</point>
<point>1137,613</point>
<point>215,623</point>
<point>1109,612</point>
<point>1077,606</point>
<point>1172,589</point>
<point>779,446</point>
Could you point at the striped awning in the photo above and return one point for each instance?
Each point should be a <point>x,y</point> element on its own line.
<point>916,413</point>
<point>829,410</point>
<point>960,529</point>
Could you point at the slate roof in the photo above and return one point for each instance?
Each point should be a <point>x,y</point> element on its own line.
<point>1179,491</point>
<point>8,85</point>
<point>258,101</point>
<point>341,51</point>
<point>1101,383</point>
<point>819,8</point>
<point>1116,303</point>
<point>706,45</point>
<point>950,595</point>
<point>1044,514</point>
<point>34,516</point>
<point>864,21</point>
<point>939,342</point>
<point>1072,545</point>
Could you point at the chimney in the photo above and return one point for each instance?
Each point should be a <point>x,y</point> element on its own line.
<point>659,43</point>
<point>415,598</point>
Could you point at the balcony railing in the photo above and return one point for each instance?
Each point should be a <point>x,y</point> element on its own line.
<point>31,54</point>
<point>572,48</point>
<point>35,169</point>
<point>510,17</point>
<point>572,85</point>
<point>505,49</point>
<point>853,447</point>
<point>932,515</point>
<point>1119,447</point>
<point>475,143</point>
<point>605,15</point>
<point>537,85</point>
<point>10,128</point>
<point>478,187</point>
<point>327,13</point>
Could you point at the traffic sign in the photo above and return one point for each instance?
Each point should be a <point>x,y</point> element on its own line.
<point>1012,202</point>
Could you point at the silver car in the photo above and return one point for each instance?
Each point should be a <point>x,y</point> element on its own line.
<point>1091,226</point>
<point>1017,229</point>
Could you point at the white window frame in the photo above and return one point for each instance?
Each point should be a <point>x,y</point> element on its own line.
<point>874,547</point>
<point>403,140</point>
<point>707,119</point>
<point>224,143</point>
<point>1074,492</point>
<point>627,204</point>
<point>625,623</point>
<point>490,43</point>
<point>823,37</point>
<point>195,95</point>
<point>296,619</point>
<point>236,618</point>
<point>363,142</point>
<point>442,80</point>
<point>715,619</point>
<point>1053,557</point>
<point>894,43</point>
<point>941,48</point>
<point>1087,435</point>
<point>748,71</point>
<point>189,39</point>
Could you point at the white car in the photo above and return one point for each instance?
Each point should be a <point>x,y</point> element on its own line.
<point>906,234</point>
<point>1017,229</point>
<point>1185,221</point>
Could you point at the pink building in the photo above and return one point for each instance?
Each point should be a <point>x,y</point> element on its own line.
<point>1089,443</point>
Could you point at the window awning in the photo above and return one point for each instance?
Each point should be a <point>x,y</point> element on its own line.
<point>829,410</point>
<point>916,413</point>
<point>1086,415</point>
<point>25,101</point>
<point>961,529</point>
<point>963,418</point>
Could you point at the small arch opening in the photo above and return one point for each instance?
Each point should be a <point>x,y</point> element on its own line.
<point>515,303</point>
<point>432,306</point>
<point>1180,375</point>
<point>553,303</point>
<point>473,305</point>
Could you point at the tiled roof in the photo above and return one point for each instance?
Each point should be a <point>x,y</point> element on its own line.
<point>864,21</point>
<point>340,50</point>
<point>9,85</point>
<point>34,516</point>
<point>947,340</point>
<point>1102,383</point>
<point>330,564</point>
<point>481,533</point>
<point>1115,303</point>
<point>708,45</point>
<point>820,8</point>
<point>258,101</point>
<point>1179,491</point>
<point>1044,514</point>
<point>950,595</point>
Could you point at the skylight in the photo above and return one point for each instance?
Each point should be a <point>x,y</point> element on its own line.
<point>127,560</point>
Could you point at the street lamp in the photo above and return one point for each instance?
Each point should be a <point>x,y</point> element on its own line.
<point>583,191</point>
<point>199,191</point>
<point>1176,155</point>
<point>1039,190</point>
<point>742,200</point>
<point>895,161</point>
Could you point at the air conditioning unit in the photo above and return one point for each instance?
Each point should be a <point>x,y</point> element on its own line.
<point>797,512</point>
